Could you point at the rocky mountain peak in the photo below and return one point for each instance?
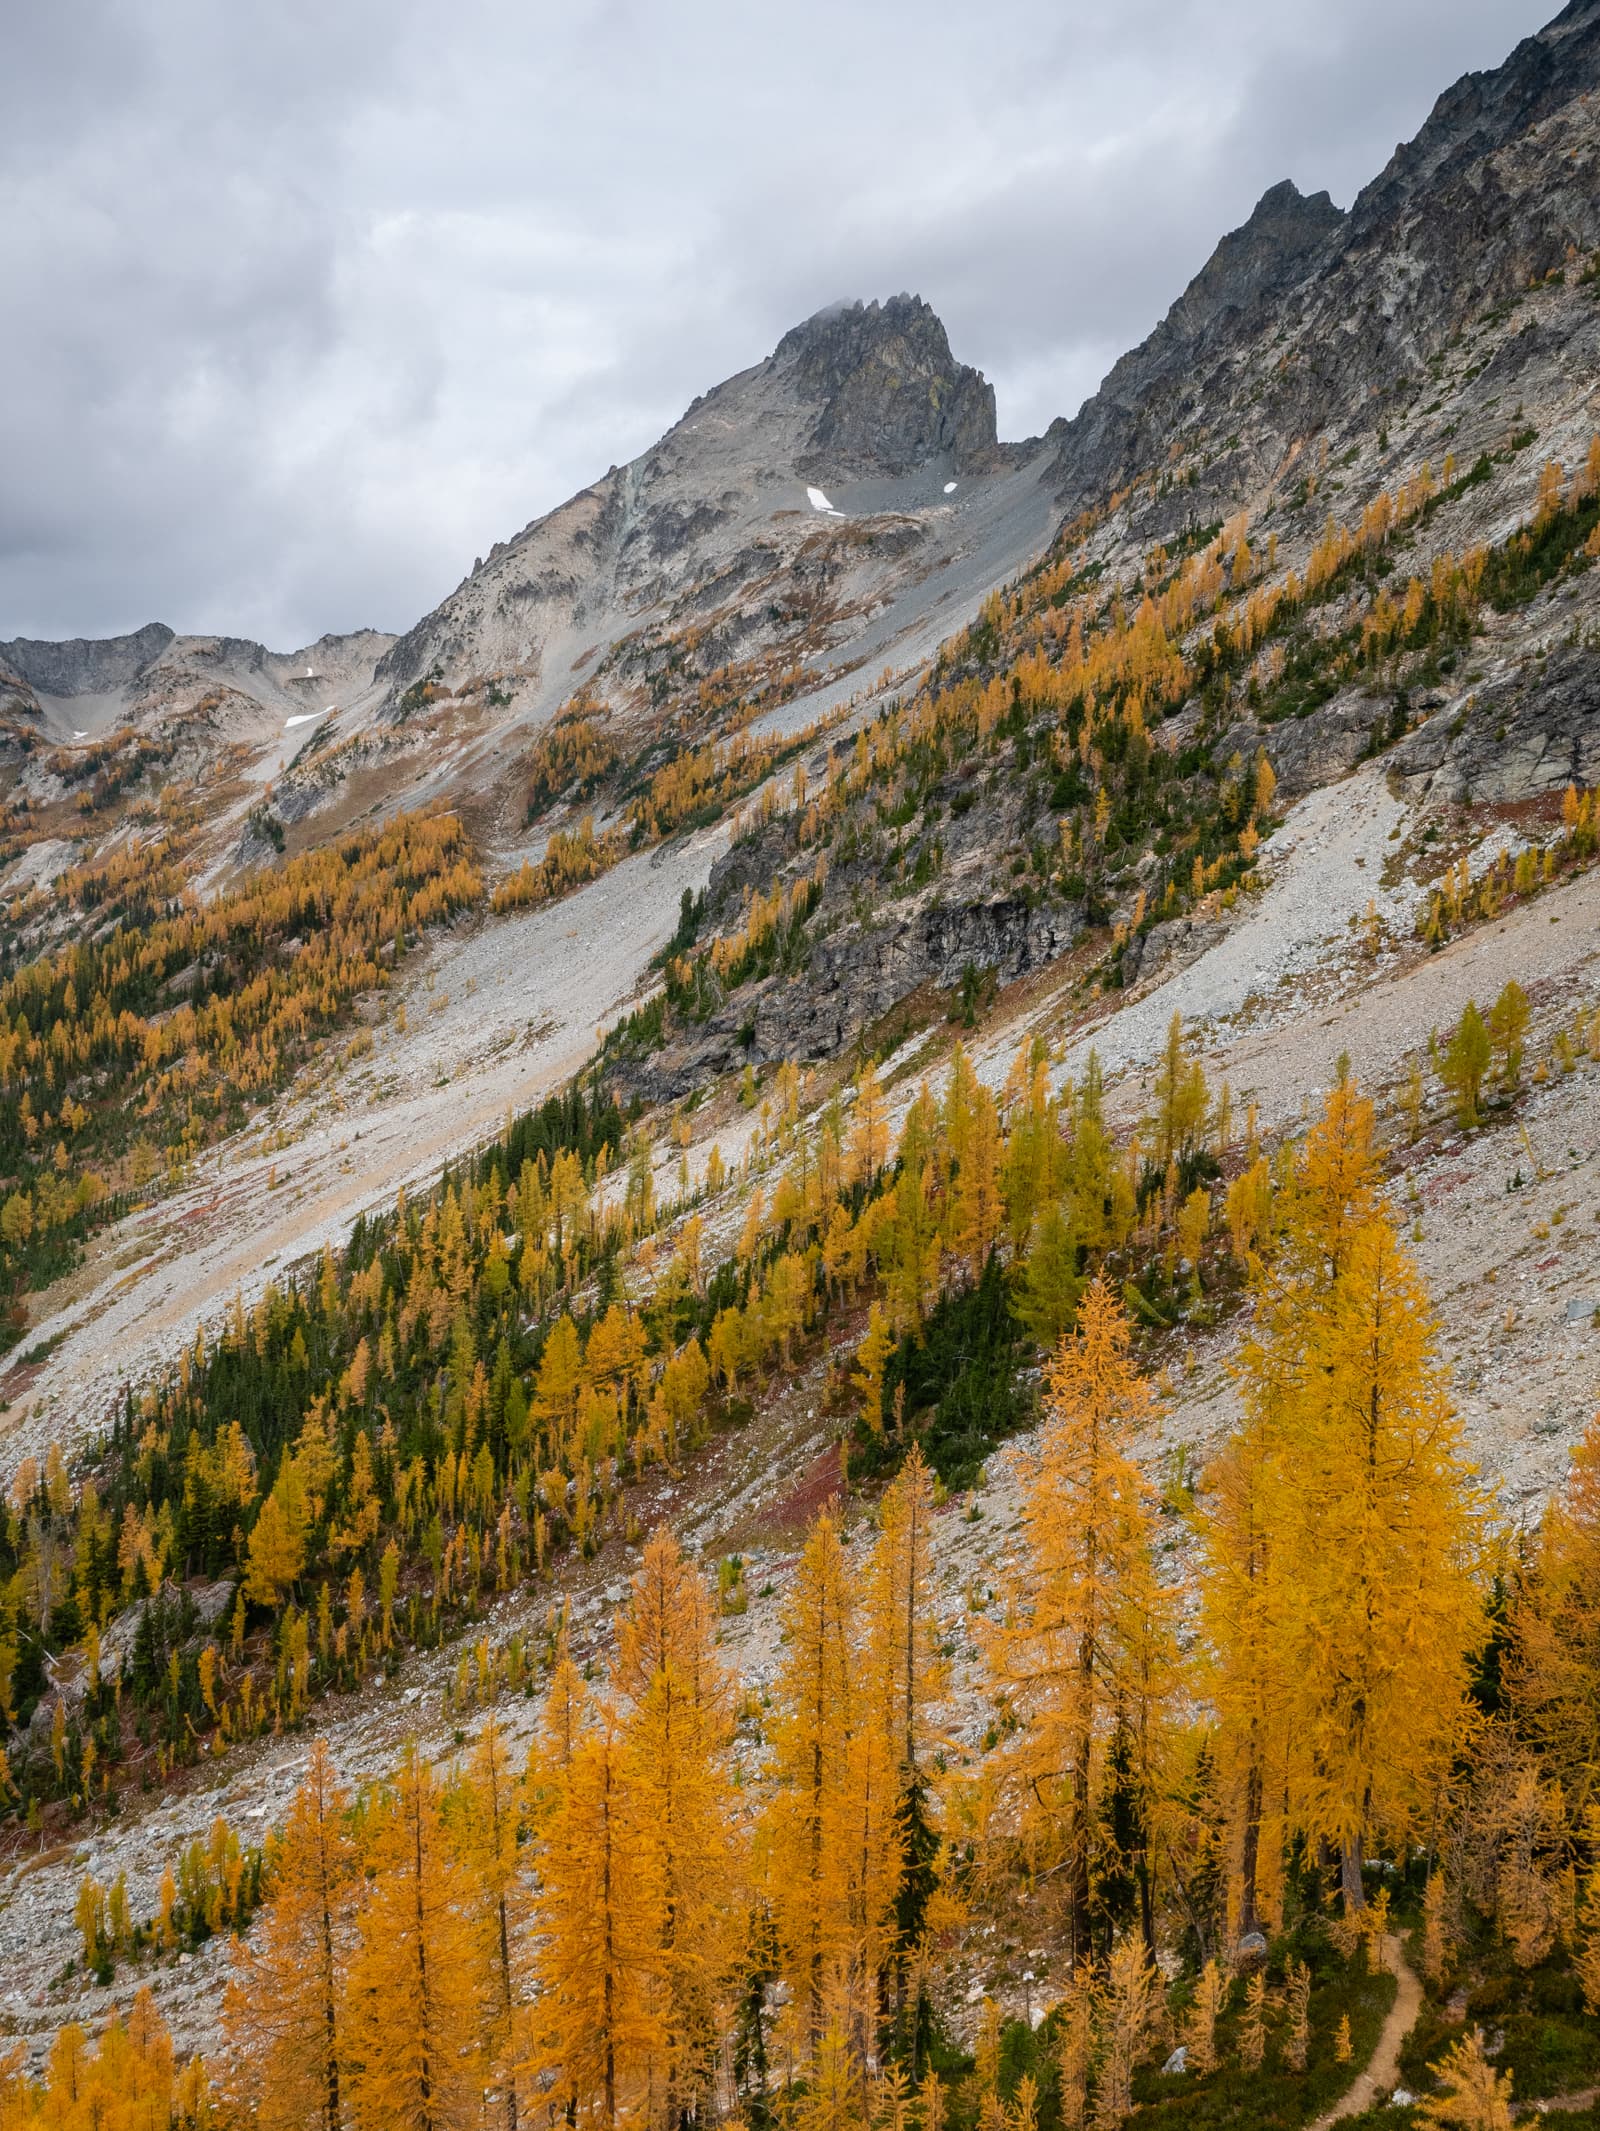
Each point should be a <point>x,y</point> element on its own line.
<point>1253,265</point>
<point>1484,111</point>
<point>1265,253</point>
<point>86,665</point>
<point>1493,195</point>
<point>890,393</point>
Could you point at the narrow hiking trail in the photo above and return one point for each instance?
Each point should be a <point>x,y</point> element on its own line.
<point>1382,2072</point>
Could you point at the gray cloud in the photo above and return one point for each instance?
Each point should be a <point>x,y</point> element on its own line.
<point>308,304</point>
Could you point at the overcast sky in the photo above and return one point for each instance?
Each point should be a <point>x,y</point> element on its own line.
<point>308,303</point>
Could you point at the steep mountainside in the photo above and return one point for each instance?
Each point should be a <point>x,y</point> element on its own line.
<point>830,512</point>
<point>881,877</point>
<point>1309,324</point>
<point>1416,366</point>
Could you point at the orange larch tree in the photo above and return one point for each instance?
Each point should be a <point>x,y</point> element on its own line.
<point>283,2011</point>
<point>678,1734</point>
<point>599,2036</point>
<point>418,1980</point>
<point>1083,1651</point>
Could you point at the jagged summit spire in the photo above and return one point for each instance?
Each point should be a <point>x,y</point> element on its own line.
<point>1283,230</point>
<point>892,395</point>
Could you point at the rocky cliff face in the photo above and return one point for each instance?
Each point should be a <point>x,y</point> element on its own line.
<point>17,699</point>
<point>1117,431</point>
<point>1528,733</point>
<point>87,665</point>
<point>212,689</point>
<point>1306,323</point>
<point>1483,113</point>
<point>889,395</point>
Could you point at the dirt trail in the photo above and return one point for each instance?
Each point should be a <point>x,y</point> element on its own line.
<point>1382,2073</point>
<point>1558,2104</point>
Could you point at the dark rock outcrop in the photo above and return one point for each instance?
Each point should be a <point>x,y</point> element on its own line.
<point>890,393</point>
<point>1537,730</point>
<point>84,666</point>
<point>857,976</point>
<point>1326,744</point>
<point>852,979</point>
<point>1481,114</point>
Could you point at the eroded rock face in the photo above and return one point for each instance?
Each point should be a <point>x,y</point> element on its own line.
<point>1316,750</point>
<point>1536,730</point>
<point>858,975</point>
<point>851,979</point>
<point>86,665</point>
<point>892,396</point>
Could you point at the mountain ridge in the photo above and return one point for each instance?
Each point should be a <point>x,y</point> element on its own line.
<point>812,527</point>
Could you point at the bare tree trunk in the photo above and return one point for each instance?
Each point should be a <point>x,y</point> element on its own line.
<point>1355,1895</point>
<point>1249,1915</point>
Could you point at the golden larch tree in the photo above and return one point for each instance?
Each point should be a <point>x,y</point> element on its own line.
<point>1554,1671</point>
<point>804,1826</point>
<point>1082,1648</point>
<point>562,1721</point>
<point>1239,1521</point>
<point>282,2010</point>
<point>678,1731</point>
<point>599,2038</point>
<point>418,1979</point>
<point>1381,1609</point>
<point>489,1826</point>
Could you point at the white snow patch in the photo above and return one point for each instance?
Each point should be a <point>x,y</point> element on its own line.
<point>308,717</point>
<point>950,487</point>
<point>819,502</point>
<point>80,736</point>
